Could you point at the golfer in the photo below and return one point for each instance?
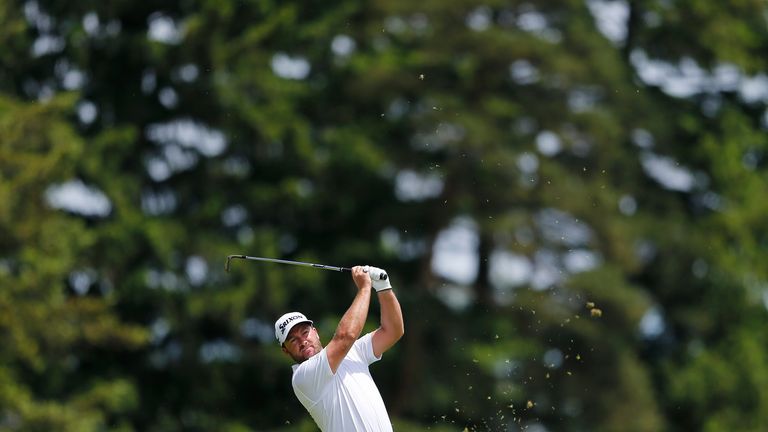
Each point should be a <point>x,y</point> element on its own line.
<point>334,383</point>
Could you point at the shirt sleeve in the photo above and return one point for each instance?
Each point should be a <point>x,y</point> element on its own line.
<point>364,349</point>
<point>310,378</point>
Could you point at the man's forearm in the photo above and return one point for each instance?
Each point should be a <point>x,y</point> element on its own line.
<point>391,313</point>
<point>352,322</point>
<point>391,328</point>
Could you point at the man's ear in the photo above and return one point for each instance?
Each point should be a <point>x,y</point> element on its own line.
<point>284,350</point>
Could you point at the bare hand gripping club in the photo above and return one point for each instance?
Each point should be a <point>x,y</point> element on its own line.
<point>297,263</point>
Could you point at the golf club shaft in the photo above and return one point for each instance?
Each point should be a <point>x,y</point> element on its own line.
<point>279,261</point>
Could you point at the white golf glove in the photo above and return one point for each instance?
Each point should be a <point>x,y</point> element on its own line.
<point>379,278</point>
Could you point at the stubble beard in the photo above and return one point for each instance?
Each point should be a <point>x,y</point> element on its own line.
<point>299,358</point>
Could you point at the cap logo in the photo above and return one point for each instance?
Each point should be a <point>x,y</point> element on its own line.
<point>284,324</point>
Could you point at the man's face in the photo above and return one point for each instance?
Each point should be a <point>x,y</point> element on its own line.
<point>302,342</point>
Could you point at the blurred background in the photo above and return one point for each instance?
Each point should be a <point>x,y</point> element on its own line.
<point>569,197</point>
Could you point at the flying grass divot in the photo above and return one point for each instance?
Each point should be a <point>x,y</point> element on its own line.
<point>593,311</point>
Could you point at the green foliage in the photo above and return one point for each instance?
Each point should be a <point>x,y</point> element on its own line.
<point>45,333</point>
<point>359,132</point>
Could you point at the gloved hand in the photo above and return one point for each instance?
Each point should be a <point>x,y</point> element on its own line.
<point>379,278</point>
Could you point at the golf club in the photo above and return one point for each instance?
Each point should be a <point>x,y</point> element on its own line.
<point>279,261</point>
<point>297,263</point>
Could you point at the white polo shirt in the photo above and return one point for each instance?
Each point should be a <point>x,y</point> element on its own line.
<point>348,401</point>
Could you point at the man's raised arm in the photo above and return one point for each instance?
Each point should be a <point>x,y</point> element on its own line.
<point>352,322</point>
<point>392,327</point>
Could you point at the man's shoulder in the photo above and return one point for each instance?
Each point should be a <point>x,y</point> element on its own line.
<point>313,364</point>
<point>311,377</point>
<point>364,340</point>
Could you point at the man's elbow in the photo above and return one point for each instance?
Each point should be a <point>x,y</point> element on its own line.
<point>399,332</point>
<point>399,335</point>
<point>346,338</point>
<point>392,333</point>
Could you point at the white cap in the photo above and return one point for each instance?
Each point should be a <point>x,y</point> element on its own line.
<point>285,323</point>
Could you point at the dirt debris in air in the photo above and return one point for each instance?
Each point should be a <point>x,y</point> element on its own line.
<point>593,310</point>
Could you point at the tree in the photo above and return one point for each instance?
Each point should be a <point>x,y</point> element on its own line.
<point>600,291</point>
